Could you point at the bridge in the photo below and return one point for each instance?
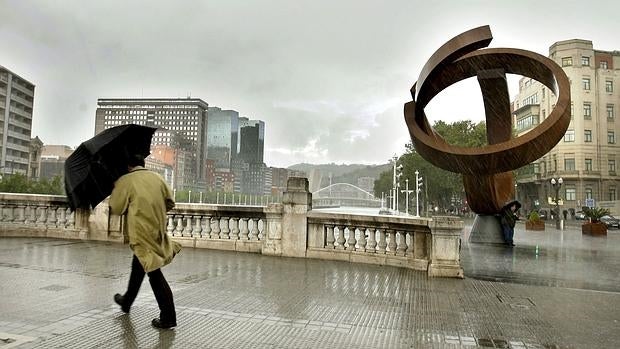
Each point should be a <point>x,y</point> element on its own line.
<point>344,194</point>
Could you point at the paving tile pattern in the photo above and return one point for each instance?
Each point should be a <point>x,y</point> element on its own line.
<point>59,294</point>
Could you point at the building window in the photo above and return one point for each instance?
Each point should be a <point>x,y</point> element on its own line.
<point>611,165</point>
<point>569,136</point>
<point>588,164</point>
<point>585,82</point>
<point>571,194</point>
<point>569,164</point>
<point>533,99</point>
<point>587,136</point>
<point>610,111</point>
<point>609,86</point>
<point>588,193</point>
<point>587,110</point>
<point>585,61</point>
<point>612,194</point>
<point>603,64</point>
<point>527,122</point>
<point>611,137</point>
<point>567,61</point>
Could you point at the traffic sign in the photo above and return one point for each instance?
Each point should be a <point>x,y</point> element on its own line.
<point>590,203</point>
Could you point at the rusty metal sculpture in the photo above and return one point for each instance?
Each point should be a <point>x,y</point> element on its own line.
<point>486,170</point>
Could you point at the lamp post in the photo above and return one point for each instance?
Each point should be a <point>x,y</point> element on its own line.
<point>418,184</point>
<point>556,184</point>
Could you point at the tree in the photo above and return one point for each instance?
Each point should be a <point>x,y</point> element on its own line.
<point>19,183</point>
<point>443,187</point>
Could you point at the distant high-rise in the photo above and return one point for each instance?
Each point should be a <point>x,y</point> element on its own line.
<point>185,117</point>
<point>251,140</point>
<point>16,101</point>
<point>222,137</point>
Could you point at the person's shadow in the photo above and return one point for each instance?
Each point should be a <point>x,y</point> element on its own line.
<point>130,340</point>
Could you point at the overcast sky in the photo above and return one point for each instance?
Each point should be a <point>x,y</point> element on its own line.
<point>329,78</point>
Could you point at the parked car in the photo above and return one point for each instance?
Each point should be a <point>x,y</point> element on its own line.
<point>543,214</point>
<point>579,215</point>
<point>610,221</point>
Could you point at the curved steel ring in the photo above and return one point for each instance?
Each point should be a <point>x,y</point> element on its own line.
<point>494,158</point>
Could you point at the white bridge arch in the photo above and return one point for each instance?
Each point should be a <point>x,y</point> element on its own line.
<point>344,194</point>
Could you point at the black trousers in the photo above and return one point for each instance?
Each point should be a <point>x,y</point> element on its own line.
<point>161,289</point>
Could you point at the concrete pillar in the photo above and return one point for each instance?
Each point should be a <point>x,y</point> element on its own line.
<point>272,237</point>
<point>296,201</point>
<point>445,259</point>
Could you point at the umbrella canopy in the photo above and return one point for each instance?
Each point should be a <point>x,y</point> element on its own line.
<point>92,169</point>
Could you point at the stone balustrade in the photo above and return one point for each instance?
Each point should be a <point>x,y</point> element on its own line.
<point>397,241</point>
<point>289,229</point>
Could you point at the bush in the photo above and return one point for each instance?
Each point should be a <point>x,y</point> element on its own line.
<point>534,216</point>
<point>595,213</point>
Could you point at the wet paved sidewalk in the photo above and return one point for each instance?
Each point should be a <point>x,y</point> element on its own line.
<point>58,294</point>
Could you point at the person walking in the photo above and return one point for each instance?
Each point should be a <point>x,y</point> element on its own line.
<point>508,219</point>
<point>145,197</point>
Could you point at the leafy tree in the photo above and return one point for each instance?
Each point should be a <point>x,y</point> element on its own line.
<point>19,183</point>
<point>441,186</point>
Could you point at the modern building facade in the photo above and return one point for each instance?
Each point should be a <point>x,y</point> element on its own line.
<point>185,117</point>
<point>251,140</point>
<point>588,155</point>
<point>222,137</point>
<point>16,103</point>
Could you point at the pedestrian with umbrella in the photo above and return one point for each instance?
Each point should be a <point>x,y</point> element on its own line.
<point>508,219</point>
<point>145,197</point>
<point>112,163</point>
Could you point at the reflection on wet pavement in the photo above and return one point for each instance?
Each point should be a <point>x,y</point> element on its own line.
<point>548,258</point>
<point>58,294</point>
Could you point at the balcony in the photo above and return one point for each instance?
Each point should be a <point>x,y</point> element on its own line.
<point>275,230</point>
<point>21,100</point>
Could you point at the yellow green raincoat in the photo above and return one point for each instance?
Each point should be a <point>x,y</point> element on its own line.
<point>146,198</point>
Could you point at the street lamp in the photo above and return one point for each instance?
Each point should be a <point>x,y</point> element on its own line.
<point>418,184</point>
<point>556,184</point>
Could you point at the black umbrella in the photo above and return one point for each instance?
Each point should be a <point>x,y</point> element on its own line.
<point>92,169</point>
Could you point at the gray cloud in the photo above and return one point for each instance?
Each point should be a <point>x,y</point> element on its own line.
<point>328,77</point>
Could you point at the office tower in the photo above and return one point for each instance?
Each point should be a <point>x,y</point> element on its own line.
<point>222,137</point>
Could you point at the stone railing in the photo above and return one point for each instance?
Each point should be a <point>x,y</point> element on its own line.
<point>289,229</point>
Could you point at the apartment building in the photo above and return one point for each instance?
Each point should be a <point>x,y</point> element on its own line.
<point>16,102</point>
<point>587,156</point>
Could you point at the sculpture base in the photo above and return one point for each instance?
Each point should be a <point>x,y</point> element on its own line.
<point>487,230</point>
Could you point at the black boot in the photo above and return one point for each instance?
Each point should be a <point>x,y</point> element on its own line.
<point>120,300</point>
<point>163,325</point>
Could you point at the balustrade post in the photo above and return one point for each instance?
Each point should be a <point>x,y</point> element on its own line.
<point>392,241</point>
<point>42,215</point>
<point>10,213</point>
<point>225,232</point>
<point>340,239</point>
<point>2,206</point>
<point>28,215</point>
<point>401,249</point>
<point>62,220</point>
<point>197,230</point>
<point>372,240</point>
<point>178,229</point>
<point>215,232</point>
<point>234,235</point>
<point>254,231</point>
<point>351,238</point>
<point>51,217</point>
<point>170,227</point>
<point>361,242</point>
<point>244,229</point>
<point>330,236</point>
<point>382,241</point>
<point>70,220</point>
<point>207,229</point>
<point>187,230</point>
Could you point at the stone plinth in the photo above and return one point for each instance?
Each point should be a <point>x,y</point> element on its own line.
<point>296,201</point>
<point>445,258</point>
